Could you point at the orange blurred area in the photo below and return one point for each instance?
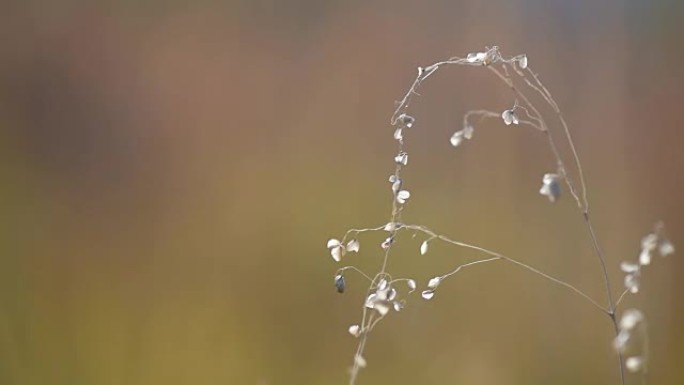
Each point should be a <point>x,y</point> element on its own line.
<point>172,171</point>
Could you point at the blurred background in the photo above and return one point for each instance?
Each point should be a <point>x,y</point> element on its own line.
<point>172,171</point>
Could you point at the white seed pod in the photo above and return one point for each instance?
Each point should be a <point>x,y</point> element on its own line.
<point>629,267</point>
<point>522,61</point>
<point>634,364</point>
<point>484,58</point>
<point>382,308</point>
<point>550,187</point>
<point>403,196</point>
<point>406,120</point>
<point>434,282</point>
<point>476,57</point>
<point>509,117</point>
<point>411,284</point>
<point>630,318</point>
<point>649,242</point>
<point>401,158</point>
<point>382,285</point>
<point>459,136</point>
<point>378,301</point>
<point>355,330</point>
<point>427,294</point>
<point>397,305</point>
<point>336,249</point>
<point>392,295</point>
<point>387,242</point>
<point>332,242</point>
<point>620,342</point>
<point>645,257</point>
<point>353,246</point>
<point>396,186</point>
<point>371,300</point>
<point>423,247</point>
<point>456,139</point>
<point>360,361</point>
<point>665,248</point>
<point>632,283</point>
<point>398,135</point>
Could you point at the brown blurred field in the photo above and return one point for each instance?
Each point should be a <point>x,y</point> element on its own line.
<point>171,172</point>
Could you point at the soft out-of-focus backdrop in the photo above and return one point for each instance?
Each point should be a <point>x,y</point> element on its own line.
<point>171,172</point>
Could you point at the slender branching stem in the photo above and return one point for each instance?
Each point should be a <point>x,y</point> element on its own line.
<point>622,295</point>
<point>491,60</point>
<point>510,260</point>
<point>582,203</point>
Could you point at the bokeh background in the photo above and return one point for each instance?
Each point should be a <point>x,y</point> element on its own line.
<point>171,172</point>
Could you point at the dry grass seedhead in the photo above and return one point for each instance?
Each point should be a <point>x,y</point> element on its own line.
<point>387,294</point>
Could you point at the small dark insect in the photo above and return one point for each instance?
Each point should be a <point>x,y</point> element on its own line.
<point>339,283</point>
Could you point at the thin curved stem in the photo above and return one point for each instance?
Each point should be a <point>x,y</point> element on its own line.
<point>459,267</point>
<point>537,121</point>
<point>341,269</point>
<point>547,95</point>
<point>581,203</point>
<point>510,260</point>
<point>617,303</point>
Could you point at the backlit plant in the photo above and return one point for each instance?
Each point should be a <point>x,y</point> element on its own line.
<point>387,294</point>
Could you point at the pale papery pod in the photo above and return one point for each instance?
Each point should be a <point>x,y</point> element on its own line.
<point>620,342</point>
<point>457,138</point>
<point>509,117</point>
<point>353,246</point>
<point>398,135</point>
<point>355,330</point>
<point>476,57</point>
<point>407,120</point>
<point>382,308</point>
<point>634,364</point>
<point>336,253</point>
<point>360,361</point>
<point>370,300</point>
<point>665,248</point>
<point>396,186</point>
<point>629,267</point>
<point>434,282</point>
<point>630,318</point>
<point>397,305</point>
<point>649,242</point>
<point>632,283</point>
<point>387,243</point>
<point>382,285</point>
<point>336,249</point>
<point>645,257</point>
<point>423,247</point>
<point>332,242</point>
<point>401,158</point>
<point>403,196</point>
<point>550,186</point>
<point>392,294</point>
